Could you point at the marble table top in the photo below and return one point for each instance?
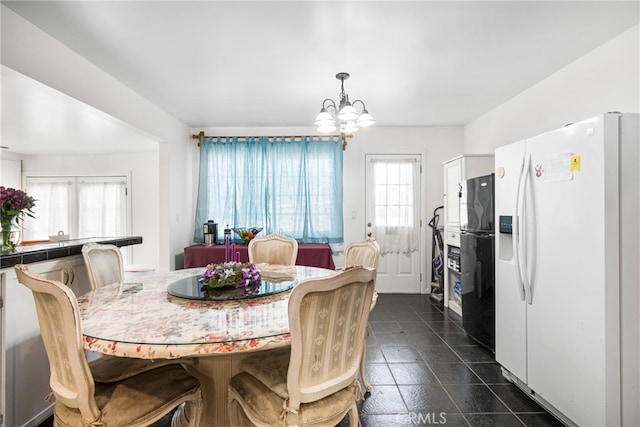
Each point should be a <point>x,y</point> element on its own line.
<point>140,319</point>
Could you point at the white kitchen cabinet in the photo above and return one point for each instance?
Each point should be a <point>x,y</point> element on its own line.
<point>452,178</point>
<point>26,379</point>
<point>69,270</point>
<point>455,171</point>
<point>3,366</point>
<point>23,360</point>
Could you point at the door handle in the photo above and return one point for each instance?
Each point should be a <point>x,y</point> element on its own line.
<point>369,234</point>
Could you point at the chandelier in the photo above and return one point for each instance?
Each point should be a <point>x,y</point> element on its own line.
<point>342,116</point>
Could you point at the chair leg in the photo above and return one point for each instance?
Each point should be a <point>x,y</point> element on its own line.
<point>354,419</point>
<point>188,413</point>
<point>237,415</point>
<point>194,410</point>
<point>233,411</point>
<point>363,364</point>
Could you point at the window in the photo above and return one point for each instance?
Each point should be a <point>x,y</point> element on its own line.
<point>393,182</point>
<point>293,187</point>
<point>393,193</point>
<point>81,206</point>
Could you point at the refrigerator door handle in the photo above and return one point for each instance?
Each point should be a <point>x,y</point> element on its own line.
<point>515,234</point>
<point>531,239</point>
<point>523,231</point>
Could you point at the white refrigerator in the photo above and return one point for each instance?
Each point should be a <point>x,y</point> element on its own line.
<point>567,268</point>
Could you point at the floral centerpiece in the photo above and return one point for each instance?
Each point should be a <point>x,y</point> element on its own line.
<point>16,204</point>
<point>231,275</point>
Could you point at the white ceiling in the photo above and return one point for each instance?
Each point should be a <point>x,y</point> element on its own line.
<point>264,63</point>
<point>37,119</point>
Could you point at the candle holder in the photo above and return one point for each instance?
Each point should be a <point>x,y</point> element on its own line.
<point>228,255</point>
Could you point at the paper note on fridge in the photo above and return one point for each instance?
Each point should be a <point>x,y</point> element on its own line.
<point>558,167</point>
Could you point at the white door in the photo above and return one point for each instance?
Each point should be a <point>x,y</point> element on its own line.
<point>511,313</point>
<point>564,239</point>
<point>393,218</point>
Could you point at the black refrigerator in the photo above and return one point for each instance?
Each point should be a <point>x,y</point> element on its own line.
<point>477,259</point>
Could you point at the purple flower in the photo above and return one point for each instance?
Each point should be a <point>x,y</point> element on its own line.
<point>231,274</point>
<point>15,204</point>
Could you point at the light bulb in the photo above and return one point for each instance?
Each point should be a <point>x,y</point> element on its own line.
<point>350,127</point>
<point>325,128</point>
<point>323,117</point>
<point>348,113</point>
<point>365,119</point>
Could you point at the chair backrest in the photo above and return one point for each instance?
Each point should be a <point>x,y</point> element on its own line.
<point>58,315</point>
<point>273,249</point>
<point>365,254</point>
<point>328,321</point>
<point>104,264</point>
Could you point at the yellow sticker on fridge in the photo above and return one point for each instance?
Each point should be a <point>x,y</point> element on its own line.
<point>575,163</point>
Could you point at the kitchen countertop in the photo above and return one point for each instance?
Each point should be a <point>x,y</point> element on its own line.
<point>26,254</point>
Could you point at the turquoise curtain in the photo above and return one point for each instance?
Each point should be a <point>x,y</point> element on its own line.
<point>285,185</point>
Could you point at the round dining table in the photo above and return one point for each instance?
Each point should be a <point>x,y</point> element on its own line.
<point>145,319</point>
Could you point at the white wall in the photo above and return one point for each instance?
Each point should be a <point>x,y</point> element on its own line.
<point>30,51</point>
<point>10,170</point>
<point>606,79</point>
<point>434,144</point>
<point>144,187</point>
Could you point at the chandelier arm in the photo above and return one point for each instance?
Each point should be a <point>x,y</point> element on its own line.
<point>331,104</point>
<point>353,104</point>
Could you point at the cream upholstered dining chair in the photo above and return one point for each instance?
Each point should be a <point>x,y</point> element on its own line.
<point>315,382</point>
<point>104,264</point>
<point>273,249</point>
<point>365,254</point>
<point>135,400</point>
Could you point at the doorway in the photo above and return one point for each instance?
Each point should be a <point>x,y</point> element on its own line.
<point>393,201</point>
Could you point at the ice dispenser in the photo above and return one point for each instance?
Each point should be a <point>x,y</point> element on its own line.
<point>505,228</point>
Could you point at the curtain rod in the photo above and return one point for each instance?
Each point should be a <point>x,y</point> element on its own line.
<point>343,136</point>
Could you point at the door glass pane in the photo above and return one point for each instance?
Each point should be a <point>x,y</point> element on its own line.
<point>394,181</point>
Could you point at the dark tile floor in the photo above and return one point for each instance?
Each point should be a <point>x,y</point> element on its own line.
<point>425,371</point>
